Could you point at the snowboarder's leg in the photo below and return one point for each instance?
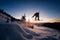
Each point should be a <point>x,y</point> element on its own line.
<point>35,18</point>
<point>38,17</point>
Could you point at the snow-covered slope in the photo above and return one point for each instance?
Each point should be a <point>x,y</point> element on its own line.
<point>16,31</point>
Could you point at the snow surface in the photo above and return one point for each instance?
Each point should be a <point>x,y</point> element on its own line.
<point>19,31</point>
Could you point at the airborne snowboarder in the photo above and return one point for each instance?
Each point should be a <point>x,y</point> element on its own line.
<point>36,16</point>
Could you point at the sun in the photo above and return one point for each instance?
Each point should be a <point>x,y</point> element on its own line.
<point>28,20</point>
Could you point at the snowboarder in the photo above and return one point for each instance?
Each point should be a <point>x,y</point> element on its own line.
<point>36,16</point>
<point>23,18</point>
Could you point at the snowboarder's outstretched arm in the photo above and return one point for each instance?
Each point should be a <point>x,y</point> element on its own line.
<point>32,16</point>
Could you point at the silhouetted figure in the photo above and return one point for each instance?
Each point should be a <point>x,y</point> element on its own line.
<point>12,19</point>
<point>23,18</point>
<point>36,16</point>
<point>7,20</point>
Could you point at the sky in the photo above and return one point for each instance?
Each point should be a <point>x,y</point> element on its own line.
<point>48,9</point>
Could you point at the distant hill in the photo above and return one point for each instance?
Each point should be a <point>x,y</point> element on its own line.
<point>55,25</point>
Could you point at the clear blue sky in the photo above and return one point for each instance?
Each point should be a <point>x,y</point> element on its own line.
<point>48,9</point>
